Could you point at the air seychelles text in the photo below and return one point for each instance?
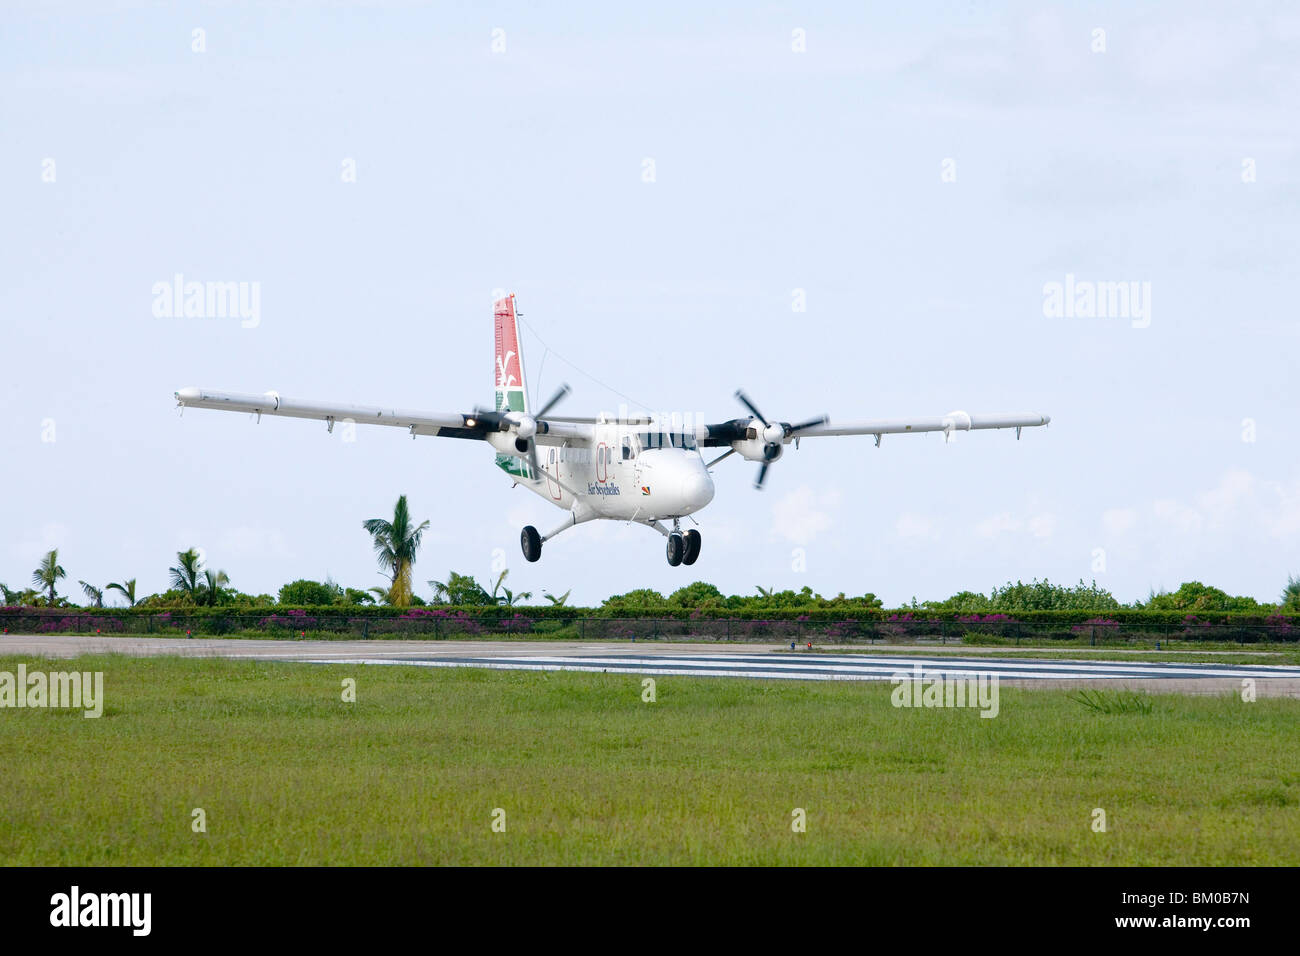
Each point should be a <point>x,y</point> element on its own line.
<point>76,690</point>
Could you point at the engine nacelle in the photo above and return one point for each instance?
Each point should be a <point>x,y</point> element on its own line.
<point>757,449</point>
<point>507,444</point>
<point>525,426</point>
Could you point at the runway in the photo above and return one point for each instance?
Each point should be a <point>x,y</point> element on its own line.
<point>860,667</point>
<point>761,662</point>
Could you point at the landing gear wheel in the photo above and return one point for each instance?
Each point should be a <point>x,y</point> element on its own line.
<point>676,548</point>
<point>531,542</point>
<point>693,543</point>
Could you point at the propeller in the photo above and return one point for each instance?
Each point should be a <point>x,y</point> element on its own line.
<point>528,427</point>
<point>560,393</point>
<point>774,435</point>
<point>523,425</point>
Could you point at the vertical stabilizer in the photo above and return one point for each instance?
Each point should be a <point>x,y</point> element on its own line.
<point>508,374</point>
<point>512,394</point>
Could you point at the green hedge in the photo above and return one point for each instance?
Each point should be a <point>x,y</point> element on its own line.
<point>492,614</point>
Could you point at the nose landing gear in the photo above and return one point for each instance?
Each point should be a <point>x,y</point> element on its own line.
<point>683,548</point>
<point>693,543</point>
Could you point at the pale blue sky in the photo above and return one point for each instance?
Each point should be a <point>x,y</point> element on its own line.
<point>775,171</point>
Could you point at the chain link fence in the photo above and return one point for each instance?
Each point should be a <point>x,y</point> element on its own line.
<point>434,624</point>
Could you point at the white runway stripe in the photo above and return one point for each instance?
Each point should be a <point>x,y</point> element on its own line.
<point>1022,667</point>
<point>845,667</point>
<point>526,664</point>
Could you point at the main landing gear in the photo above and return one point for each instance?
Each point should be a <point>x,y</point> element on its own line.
<point>531,542</point>
<point>683,548</point>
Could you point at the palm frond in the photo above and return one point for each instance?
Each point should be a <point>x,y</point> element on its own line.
<point>127,589</point>
<point>95,594</point>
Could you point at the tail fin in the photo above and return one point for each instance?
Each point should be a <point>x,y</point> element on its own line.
<point>512,390</point>
<point>508,375</point>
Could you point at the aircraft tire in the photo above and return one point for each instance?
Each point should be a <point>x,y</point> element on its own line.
<point>693,543</point>
<point>676,549</point>
<point>531,542</point>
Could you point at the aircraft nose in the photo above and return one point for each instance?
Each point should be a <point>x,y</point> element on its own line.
<point>698,489</point>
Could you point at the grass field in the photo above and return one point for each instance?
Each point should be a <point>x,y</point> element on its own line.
<point>288,773</point>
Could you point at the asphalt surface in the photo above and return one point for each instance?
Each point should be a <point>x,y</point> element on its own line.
<point>700,660</point>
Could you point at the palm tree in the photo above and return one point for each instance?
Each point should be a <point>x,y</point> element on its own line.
<point>559,601</point>
<point>96,595</point>
<point>1291,594</point>
<point>127,589</point>
<point>211,585</point>
<point>18,597</point>
<point>48,573</point>
<point>381,594</point>
<point>396,543</point>
<point>186,575</point>
<point>507,597</point>
<point>461,590</point>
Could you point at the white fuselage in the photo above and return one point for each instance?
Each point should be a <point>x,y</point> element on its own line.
<point>624,471</point>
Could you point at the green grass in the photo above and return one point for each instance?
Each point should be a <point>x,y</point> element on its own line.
<point>587,773</point>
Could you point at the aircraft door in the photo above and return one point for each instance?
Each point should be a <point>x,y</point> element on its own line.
<point>552,472</point>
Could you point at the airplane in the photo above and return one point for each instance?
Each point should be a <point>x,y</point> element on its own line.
<point>642,469</point>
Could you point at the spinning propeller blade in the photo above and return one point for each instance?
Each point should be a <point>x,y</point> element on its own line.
<point>532,442</point>
<point>555,400</point>
<point>753,410</point>
<point>774,435</point>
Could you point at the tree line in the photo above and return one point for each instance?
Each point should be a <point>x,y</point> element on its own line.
<point>396,543</point>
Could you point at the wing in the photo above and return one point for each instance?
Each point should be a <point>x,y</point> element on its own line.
<point>760,439</point>
<point>740,430</point>
<point>442,424</point>
<point>952,422</point>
